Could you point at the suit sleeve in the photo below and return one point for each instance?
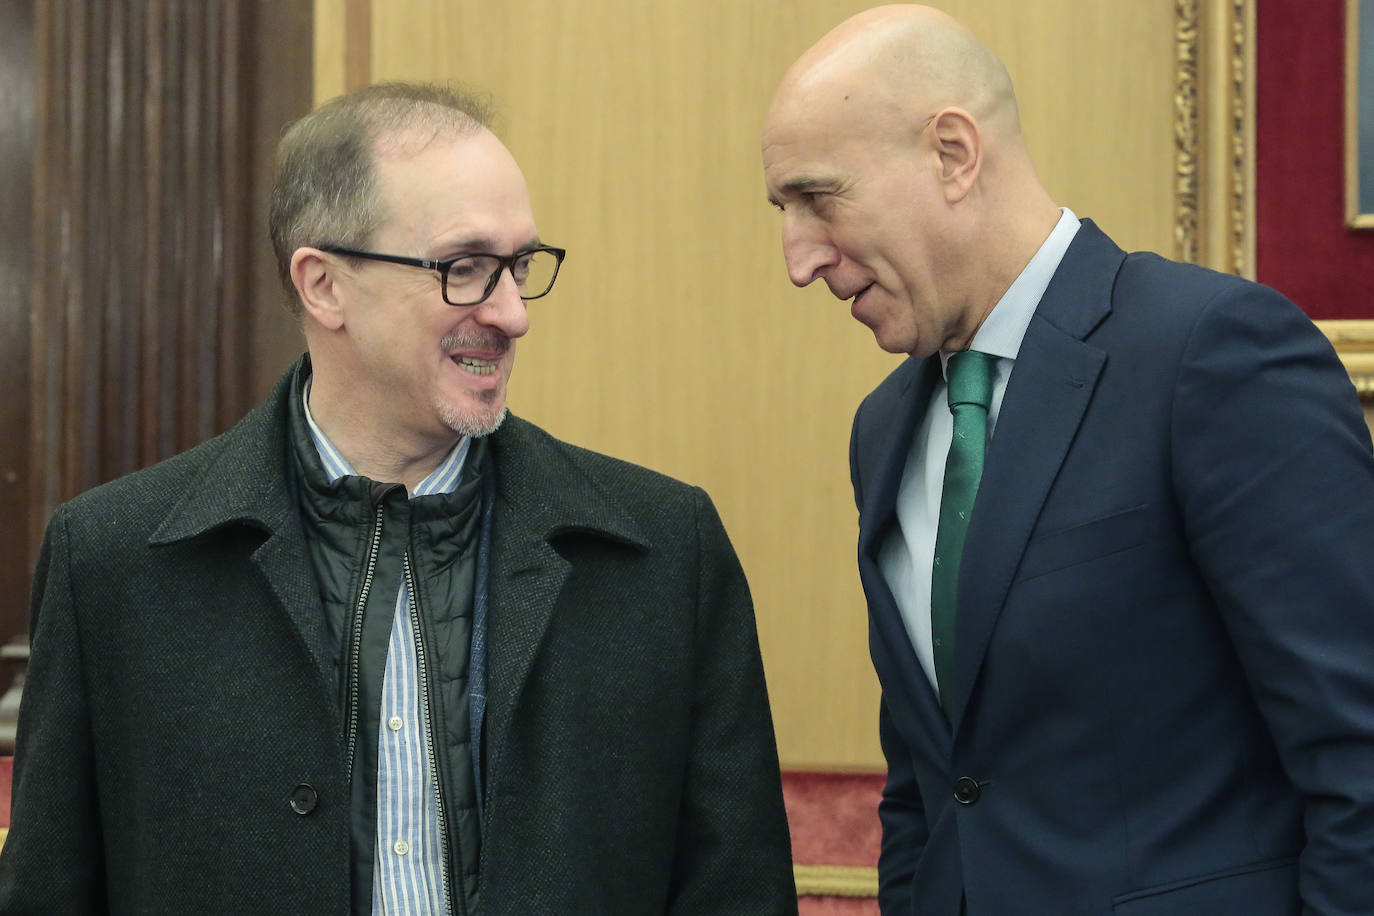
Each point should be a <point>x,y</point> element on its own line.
<point>734,854</point>
<point>1275,480</point>
<point>53,860</point>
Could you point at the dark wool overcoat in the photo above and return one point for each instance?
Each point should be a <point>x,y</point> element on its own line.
<point>180,748</point>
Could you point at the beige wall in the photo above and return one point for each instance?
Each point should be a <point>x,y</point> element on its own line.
<point>674,338</point>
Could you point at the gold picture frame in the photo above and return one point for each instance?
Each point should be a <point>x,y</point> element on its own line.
<point>1214,174</point>
<point>1359,114</point>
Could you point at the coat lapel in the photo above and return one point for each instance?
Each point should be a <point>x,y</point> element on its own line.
<point>540,495</point>
<point>1047,395</point>
<point>247,484</point>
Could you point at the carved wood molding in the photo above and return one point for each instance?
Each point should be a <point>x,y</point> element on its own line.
<point>1186,143</point>
<point>1214,134</point>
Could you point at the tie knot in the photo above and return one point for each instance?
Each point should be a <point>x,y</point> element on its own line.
<point>970,378</point>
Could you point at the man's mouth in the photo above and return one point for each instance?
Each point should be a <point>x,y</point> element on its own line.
<point>860,294</point>
<point>480,354</point>
<point>477,366</point>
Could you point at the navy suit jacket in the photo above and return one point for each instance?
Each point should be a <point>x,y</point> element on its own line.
<point>1164,678</point>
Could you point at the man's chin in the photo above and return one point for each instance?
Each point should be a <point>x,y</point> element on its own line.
<point>894,344</point>
<point>474,423</point>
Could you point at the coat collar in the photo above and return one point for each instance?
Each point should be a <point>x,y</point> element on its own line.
<point>542,495</point>
<point>246,481</point>
<point>545,496</point>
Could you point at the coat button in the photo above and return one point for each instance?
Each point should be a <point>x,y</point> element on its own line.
<point>966,790</point>
<point>303,799</point>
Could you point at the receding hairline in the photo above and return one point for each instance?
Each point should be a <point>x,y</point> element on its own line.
<point>407,139</point>
<point>324,179</point>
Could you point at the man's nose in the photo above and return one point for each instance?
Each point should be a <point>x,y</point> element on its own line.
<point>504,309</point>
<point>807,251</point>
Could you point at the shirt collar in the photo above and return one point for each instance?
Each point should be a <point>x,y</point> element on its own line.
<point>1002,331</point>
<point>443,479</point>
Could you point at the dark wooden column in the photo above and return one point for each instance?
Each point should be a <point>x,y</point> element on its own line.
<point>136,296</point>
<point>17,113</point>
<point>148,173</point>
<point>143,219</point>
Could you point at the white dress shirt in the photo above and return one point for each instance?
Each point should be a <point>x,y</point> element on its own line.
<point>907,555</point>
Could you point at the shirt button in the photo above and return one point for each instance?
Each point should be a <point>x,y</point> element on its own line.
<point>401,847</point>
<point>394,723</point>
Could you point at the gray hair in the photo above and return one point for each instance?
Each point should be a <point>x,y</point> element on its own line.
<point>324,191</point>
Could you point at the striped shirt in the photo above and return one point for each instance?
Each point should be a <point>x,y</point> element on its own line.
<point>407,876</point>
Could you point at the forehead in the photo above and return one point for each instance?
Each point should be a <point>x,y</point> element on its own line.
<point>446,185</point>
<point>812,146</point>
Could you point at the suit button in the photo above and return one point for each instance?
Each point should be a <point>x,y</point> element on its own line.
<point>304,799</point>
<point>966,790</point>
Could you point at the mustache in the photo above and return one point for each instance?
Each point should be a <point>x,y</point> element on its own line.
<point>494,343</point>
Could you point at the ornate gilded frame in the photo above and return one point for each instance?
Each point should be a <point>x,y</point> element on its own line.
<point>1214,131</point>
<point>1356,215</point>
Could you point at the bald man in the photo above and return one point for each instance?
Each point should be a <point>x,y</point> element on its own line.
<point>1144,684</point>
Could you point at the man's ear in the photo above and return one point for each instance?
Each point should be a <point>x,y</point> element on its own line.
<point>959,143</point>
<point>313,273</point>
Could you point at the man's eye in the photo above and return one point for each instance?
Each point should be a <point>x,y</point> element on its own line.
<point>463,270</point>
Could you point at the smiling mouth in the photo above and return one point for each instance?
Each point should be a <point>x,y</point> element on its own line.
<point>477,366</point>
<point>860,294</point>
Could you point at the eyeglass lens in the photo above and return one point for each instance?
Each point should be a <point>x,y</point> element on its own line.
<point>468,277</point>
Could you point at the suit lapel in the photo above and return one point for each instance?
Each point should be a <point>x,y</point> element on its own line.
<point>1047,395</point>
<point>890,445</point>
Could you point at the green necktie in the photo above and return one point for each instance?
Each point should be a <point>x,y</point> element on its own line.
<point>970,392</point>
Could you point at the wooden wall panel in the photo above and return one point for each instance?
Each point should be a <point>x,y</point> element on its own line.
<point>151,282</point>
<point>16,263</point>
<point>282,90</point>
<point>140,331</point>
<point>674,338</point>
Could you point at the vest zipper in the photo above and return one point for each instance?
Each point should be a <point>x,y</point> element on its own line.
<point>425,707</point>
<point>355,644</point>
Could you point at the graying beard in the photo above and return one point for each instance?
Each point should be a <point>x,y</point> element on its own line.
<point>474,426</point>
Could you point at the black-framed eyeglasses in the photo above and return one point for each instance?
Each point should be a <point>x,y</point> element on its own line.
<point>470,278</point>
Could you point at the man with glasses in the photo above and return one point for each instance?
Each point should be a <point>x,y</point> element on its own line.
<point>383,648</point>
